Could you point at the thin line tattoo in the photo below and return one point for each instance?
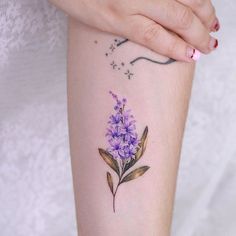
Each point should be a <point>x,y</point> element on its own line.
<point>125,147</point>
<point>121,42</point>
<point>169,61</point>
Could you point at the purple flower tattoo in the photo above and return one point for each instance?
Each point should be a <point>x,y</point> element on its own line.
<point>125,148</point>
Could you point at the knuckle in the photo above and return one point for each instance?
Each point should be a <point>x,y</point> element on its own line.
<point>199,3</point>
<point>113,8</point>
<point>213,10</point>
<point>185,18</point>
<point>204,45</point>
<point>172,48</point>
<point>211,18</point>
<point>151,32</point>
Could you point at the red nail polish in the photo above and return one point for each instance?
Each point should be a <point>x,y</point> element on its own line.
<point>213,44</point>
<point>215,25</point>
<point>216,44</point>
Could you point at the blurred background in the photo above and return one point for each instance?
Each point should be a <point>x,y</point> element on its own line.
<point>36,194</point>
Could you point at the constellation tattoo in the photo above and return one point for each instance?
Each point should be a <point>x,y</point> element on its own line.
<point>126,68</point>
<point>129,74</point>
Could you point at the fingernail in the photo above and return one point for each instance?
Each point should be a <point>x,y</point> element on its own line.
<point>193,53</point>
<point>215,25</point>
<point>213,43</point>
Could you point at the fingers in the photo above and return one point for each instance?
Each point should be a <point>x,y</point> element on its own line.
<point>181,20</point>
<point>152,35</point>
<point>205,11</point>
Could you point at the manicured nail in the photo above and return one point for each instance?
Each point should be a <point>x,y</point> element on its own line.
<point>215,25</point>
<point>213,43</point>
<point>193,53</point>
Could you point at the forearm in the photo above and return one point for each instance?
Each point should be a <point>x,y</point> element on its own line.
<point>158,96</point>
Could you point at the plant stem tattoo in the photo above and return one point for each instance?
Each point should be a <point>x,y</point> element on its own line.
<point>125,148</point>
<point>125,68</point>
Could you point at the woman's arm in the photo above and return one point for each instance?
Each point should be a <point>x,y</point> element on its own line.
<point>158,96</point>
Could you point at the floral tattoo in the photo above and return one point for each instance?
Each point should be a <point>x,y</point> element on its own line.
<point>125,147</point>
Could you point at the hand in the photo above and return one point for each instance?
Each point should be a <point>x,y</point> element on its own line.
<point>177,29</point>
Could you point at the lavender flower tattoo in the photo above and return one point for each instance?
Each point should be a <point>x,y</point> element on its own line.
<point>125,148</point>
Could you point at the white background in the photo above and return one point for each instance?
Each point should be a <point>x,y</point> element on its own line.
<point>36,195</point>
